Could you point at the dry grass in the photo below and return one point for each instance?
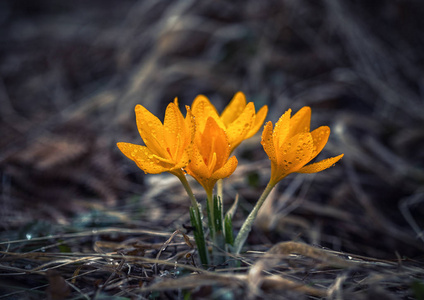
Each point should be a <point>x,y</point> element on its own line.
<point>79,220</point>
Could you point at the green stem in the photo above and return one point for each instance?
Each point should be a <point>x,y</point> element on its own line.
<point>219,193</point>
<point>211,216</point>
<point>247,225</point>
<point>196,220</point>
<point>181,176</point>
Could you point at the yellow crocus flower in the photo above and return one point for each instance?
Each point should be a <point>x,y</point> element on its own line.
<point>239,120</point>
<point>209,159</point>
<point>291,145</point>
<point>167,146</point>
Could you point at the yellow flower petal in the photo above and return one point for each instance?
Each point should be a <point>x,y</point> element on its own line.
<point>190,124</point>
<point>295,153</point>
<point>321,165</point>
<point>173,129</point>
<point>238,128</point>
<point>259,120</point>
<point>227,169</point>
<point>234,108</point>
<point>183,161</point>
<point>151,130</point>
<point>301,121</point>
<point>197,168</point>
<point>282,129</point>
<point>144,158</point>
<point>202,109</point>
<point>213,140</point>
<point>320,137</point>
<point>189,133</point>
<point>267,142</point>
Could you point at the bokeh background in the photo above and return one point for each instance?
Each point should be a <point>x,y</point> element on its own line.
<point>71,73</point>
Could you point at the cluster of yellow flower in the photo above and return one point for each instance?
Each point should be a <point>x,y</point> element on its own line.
<point>201,145</point>
<point>202,142</point>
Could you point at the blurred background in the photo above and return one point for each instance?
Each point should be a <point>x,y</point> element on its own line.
<point>71,73</point>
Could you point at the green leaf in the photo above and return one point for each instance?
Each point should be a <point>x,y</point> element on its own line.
<point>210,221</point>
<point>199,236</point>
<point>228,227</point>
<point>217,207</point>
